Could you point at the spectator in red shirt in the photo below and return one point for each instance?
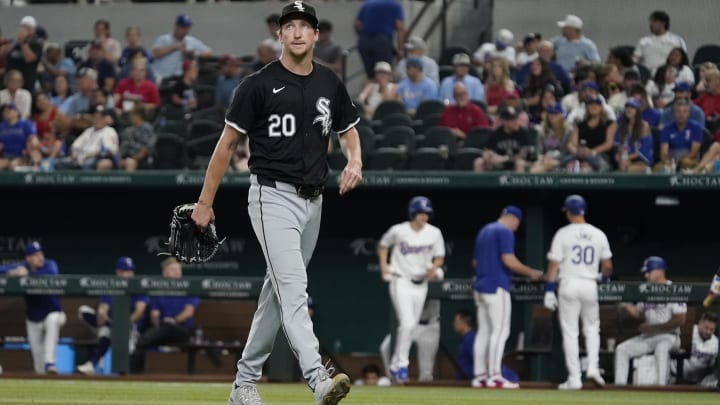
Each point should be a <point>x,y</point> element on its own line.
<point>136,89</point>
<point>463,115</point>
<point>709,101</point>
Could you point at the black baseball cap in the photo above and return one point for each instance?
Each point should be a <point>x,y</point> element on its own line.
<point>298,9</point>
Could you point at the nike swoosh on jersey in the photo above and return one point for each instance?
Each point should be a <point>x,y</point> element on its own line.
<point>276,91</point>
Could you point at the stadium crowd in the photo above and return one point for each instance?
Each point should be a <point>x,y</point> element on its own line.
<point>536,105</point>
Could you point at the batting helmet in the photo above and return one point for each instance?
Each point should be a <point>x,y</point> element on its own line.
<point>575,205</point>
<point>653,263</point>
<point>419,204</point>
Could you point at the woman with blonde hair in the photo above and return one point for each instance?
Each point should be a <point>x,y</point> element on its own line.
<point>553,136</point>
<point>498,84</point>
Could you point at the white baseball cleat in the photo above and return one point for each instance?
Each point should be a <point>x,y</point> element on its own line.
<point>596,378</point>
<point>570,385</point>
<point>479,382</point>
<point>87,368</point>
<point>245,394</point>
<point>329,391</point>
<point>502,383</point>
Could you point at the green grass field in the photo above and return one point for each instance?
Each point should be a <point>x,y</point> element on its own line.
<point>77,392</point>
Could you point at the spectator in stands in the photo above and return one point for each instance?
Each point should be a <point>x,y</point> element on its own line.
<point>77,106</point>
<point>228,78</point>
<point>170,50</point>
<point>136,55</point>
<point>133,35</point>
<point>546,52</point>
<point>463,325</point>
<point>698,369</point>
<point>498,84</point>
<point>508,145</point>
<point>183,94</point>
<point>15,93</point>
<point>512,99</point>
<point>104,68</point>
<point>461,74</point>
<point>371,376</point>
<point>709,101</point>
<point>617,100</point>
<point>19,144</point>
<point>416,87</point>
<point>327,51</point>
<point>678,58</point>
<point>60,93</point>
<point>99,321</point>
<point>573,49</point>
<point>24,52</point>
<point>137,142</point>
<point>378,89</point>
<point>136,90</point>
<point>3,41</point>
<point>683,91</point>
<point>553,135</point>
<point>649,114</point>
<point>171,319</point>
<point>417,48</point>
<point>622,58</point>
<point>659,331</point>
<point>661,87</point>
<point>462,115</point>
<point>706,67</point>
<point>55,64</point>
<point>608,80</point>
<point>273,26</point>
<point>44,316</point>
<point>502,48</point>
<point>589,90</point>
<point>51,125</point>
<point>634,143</point>
<point>706,164</point>
<point>376,23</point>
<point>680,141</point>
<point>592,139</point>
<point>264,55</point>
<point>574,99</point>
<point>529,50</point>
<point>110,45</point>
<point>96,148</point>
<point>538,81</point>
<point>652,50</point>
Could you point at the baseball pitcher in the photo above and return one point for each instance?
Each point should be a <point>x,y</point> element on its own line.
<point>417,255</point>
<point>44,315</point>
<point>578,250</point>
<point>659,332</point>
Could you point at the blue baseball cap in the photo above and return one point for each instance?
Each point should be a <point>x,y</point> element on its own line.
<point>653,263</point>
<point>590,84</point>
<point>555,109</point>
<point>513,210</point>
<point>632,102</point>
<point>32,248</point>
<point>125,263</point>
<point>682,86</point>
<point>575,205</point>
<point>183,20</point>
<point>414,61</point>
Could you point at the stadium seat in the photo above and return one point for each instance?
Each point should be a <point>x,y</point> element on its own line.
<point>388,107</point>
<point>465,158</point>
<point>482,105</point>
<point>477,138</point>
<point>447,54</point>
<point>207,75</point>
<point>430,121</point>
<point>213,113</point>
<point>166,87</point>
<point>445,71</point>
<point>201,128</point>
<point>199,150</point>
<point>367,140</point>
<point>707,53</point>
<point>205,94</point>
<point>387,158</point>
<point>440,137</point>
<point>168,152</point>
<point>429,159</point>
<point>177,127</point>
<point>402,137</point>
<point>428,107</point>
<point>396,119</point>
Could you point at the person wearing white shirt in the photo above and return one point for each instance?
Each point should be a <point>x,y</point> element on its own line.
<point>653,50</point>
<point>530,49</point>
<point>97,147</point>
<point>502,48</point>
<point>572,48</point>
<point>14,93</point>
<point>698,368</point>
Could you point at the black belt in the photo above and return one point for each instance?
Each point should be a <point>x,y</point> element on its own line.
<point>303,190</point>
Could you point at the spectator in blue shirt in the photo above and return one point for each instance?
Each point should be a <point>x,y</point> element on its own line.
<point>680,141</point>
<point>647,112</point>
<point>573,49</point>
<point>416,87</point>
<point>43,313</point>
<point>55,64</point>
<point>227,80</point>
<point>682,90</point>
<point>18,140</point>
<point>494,261</point>
<point>461,66</point>
<point>100,321</point>
<point>171,319</point>
<point>633,140</point>
<point>170,50</point>
<point>376,23</point>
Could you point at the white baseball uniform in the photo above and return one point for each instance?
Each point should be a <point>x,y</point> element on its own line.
<point>43,337</point>
<point>412,254</point>
<point>658,344</point>
<point>702,357</point>
<point>578,250</point>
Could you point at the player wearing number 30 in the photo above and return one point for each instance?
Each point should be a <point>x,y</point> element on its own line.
<point>578,250</point>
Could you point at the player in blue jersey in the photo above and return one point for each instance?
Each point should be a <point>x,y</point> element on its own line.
<point>494,261</point>
<point>43,313</point>
<point>100,321</point>
<point>171,319</point>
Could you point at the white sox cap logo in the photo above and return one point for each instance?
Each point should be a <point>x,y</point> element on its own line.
<point>323,107</point>
<point>299,6</point>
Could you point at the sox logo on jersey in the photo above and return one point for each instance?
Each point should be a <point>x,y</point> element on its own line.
<point>323,107</point>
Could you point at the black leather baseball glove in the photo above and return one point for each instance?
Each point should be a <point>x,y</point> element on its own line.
<point>187,242</point>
